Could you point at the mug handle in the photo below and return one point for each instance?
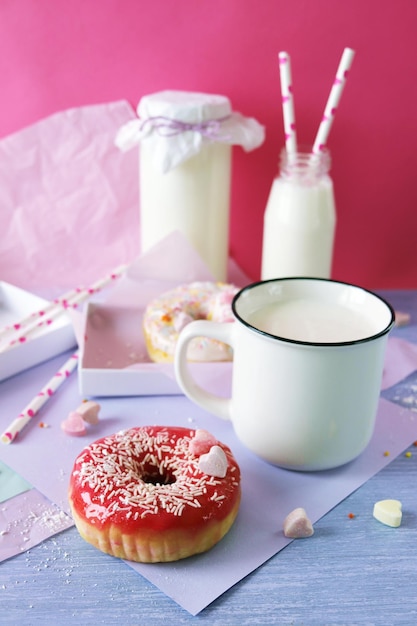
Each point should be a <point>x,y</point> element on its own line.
<point>202,328</point>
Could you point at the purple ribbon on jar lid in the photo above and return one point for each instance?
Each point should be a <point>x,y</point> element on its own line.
<point>168,127</point>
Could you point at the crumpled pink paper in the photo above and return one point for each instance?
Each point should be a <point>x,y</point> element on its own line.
<point>68,198</point>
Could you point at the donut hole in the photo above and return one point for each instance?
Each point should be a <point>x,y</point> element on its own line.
<point>152,476</point>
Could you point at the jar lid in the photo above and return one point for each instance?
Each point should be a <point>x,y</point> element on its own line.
<point>177,125</point>
<point>193,107</point>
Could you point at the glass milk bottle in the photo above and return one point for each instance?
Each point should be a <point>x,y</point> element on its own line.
<point>192,198</point>
<point>300,218</point>
<point>185,160</point>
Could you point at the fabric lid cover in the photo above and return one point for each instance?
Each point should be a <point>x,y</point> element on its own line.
<point>177,124</point>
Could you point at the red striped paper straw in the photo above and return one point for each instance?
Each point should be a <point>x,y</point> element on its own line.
<point>33,408</point>
<point>71,300</point>
<point>333,100</point>
<point>287,102</point>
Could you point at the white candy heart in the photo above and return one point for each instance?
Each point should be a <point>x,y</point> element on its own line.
<point>388,512</point>
<point>89,411</point>
<point>297,525</point>
<point>214,463</point>
<point>201,442</point>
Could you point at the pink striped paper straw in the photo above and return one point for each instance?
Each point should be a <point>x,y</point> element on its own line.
<point>46,316</point>
<point>32,409</point>
<point>6,331</point>
<point>333,100</point>
<point>287,102</point>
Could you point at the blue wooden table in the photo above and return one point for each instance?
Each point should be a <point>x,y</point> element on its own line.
<point>354,570</point>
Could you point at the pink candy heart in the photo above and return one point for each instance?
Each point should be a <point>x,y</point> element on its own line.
<point>214,463</point>
<point>297,525</point>
<point>74,425</point>
<point>201,442</point>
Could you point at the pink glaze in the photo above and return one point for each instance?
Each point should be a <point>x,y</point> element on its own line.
<point>147,479</point>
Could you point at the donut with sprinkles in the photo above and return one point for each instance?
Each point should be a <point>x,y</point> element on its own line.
<point>155,493</point>
<point>166,315</point>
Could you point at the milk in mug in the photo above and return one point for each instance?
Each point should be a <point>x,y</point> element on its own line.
<point>312,321</point>
<point>300,219</point>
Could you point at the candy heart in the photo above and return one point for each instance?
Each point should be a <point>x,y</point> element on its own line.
<point>201,442</point>
<point>402,319</point>
<point>89,411</point>
<point>297,525</point>
<point>74,425</point>
<point>388,512</point>
<point>182,320</point>
<point>214,463</point>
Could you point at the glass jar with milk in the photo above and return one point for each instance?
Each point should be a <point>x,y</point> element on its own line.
<point>300,218</point>
<point>185,164</point>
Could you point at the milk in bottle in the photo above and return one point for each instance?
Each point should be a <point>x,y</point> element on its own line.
<point>185,144</point>
<point>300,218</point>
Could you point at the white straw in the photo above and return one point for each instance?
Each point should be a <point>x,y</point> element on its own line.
<point>30,325</point>
<point>333,100</point>
<point>6,331</point>
<point>32,409</point>
<point>287,102</point>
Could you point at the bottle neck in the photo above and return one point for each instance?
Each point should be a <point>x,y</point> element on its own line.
<point>304,166</point>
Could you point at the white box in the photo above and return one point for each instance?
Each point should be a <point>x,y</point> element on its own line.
<point>114,360</point>
<point>15,304</point>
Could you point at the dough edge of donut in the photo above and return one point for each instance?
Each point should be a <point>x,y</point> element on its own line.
<point>152,546</point>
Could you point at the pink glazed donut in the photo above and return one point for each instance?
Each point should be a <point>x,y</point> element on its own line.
<point>155,493</point>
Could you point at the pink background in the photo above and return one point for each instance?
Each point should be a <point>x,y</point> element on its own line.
<point>55,55</point>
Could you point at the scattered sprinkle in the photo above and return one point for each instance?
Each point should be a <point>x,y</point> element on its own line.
<point>408,455</point>
<point>351,515</point>
<point>386,453</point>
<point>43,425</point>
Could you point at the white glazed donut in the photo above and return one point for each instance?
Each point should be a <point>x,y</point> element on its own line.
<point>166,316</point>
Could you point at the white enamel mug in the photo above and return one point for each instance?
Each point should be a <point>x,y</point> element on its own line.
<point>308,357</point>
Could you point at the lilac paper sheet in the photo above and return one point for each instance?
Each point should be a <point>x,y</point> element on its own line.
<point>26,520</point>
<point>400,361</point>
<point>257,534</point>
